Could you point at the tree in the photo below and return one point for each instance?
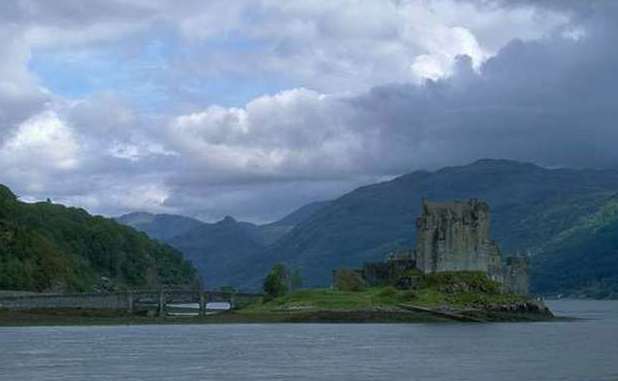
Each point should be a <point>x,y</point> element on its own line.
<point>296,280</point>
<point>348,280</point>
<point>276,282</point>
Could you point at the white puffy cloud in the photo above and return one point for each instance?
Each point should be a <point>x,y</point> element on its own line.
<point>43,141</point>
<point>40,149</point>
<point>293,134</point>
<point>355,106</point>
<point>351,45</point>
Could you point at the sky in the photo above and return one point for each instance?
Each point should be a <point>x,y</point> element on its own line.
<point>254,108</point>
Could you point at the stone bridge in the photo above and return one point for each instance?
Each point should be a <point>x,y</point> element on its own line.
<point>130,301</point>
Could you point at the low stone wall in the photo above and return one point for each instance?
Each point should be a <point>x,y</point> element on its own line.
<point>11,293</point>
<point>121,300</point>
<point>98,301</point>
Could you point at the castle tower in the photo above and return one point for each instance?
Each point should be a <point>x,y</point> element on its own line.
<point>454,236</point>
<point>516,275</point>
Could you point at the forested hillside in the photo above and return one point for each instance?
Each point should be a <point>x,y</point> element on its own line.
<point>45,246</point>
<point>583,260</point>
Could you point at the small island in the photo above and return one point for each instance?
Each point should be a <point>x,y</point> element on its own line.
<point>456,272</point>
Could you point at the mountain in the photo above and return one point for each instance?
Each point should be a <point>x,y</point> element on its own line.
<point>159,226</point>
<point>217,249</point>
<point>530,205</point>
<point>301,214</point>
<point>582,261</point>
<point>45,246</point>
<point>270,233</point>
<point>534,210</point>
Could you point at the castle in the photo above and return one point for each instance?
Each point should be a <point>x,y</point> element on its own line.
<point>452,236</point>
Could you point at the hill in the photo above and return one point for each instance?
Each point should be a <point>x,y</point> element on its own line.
<point>217,249</point>
<point>159,226</point>
<point>45,246</point>
<point>270,233</point>
<point>530,205</point>
<point>583,260</point>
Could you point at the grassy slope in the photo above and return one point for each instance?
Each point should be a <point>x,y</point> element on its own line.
<point>458,290</point>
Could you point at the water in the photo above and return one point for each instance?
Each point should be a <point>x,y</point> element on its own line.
<point>585,350</point>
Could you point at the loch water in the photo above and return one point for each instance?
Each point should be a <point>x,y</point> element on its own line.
<point>580,350</point>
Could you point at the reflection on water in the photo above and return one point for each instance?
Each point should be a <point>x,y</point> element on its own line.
<point>209,306</point>
<point>580,350</point>
<point>193,309</point>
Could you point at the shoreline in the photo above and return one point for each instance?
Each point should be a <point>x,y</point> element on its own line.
<point>83,317</point>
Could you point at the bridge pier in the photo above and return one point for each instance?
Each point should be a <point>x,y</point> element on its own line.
<point>161,303</point>
<point>130,302</point>
<point>202,304</point>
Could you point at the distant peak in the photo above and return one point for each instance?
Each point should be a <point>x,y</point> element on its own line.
<point>136,218</point>
<point>138,215</point>
<point>500,163</point>
<point>227,220</point>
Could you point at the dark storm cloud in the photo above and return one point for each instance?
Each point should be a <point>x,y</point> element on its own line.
<point>551,101</point>
<point>549,98</point>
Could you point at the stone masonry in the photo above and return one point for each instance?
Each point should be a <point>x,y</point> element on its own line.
<point>515,275</point>
<point>454,236</point>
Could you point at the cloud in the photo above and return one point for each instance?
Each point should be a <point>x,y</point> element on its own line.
<point>333,95</point>
<point>45,141</point>
<point>272,136</point>
<point>41,147</point>
<point>325,46</point>
<point>547,101</point>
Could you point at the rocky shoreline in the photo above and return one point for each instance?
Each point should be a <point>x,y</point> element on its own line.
<point>520,312</point>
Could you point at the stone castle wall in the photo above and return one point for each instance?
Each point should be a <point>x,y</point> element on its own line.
<point>388,272</point>
<point>454,236</point>
<point>515,275</point>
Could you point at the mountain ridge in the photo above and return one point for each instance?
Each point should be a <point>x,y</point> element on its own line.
<point>216,248</point>
<point>530,205</point>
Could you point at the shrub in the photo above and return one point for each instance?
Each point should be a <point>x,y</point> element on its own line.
<point>348,280</point>
<point>408,295</point>
<point>276,282</point>
<point>387,292</point>
<point>460,281</point>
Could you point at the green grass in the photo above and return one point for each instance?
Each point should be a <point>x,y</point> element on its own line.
<point>323,299</point>
<point>454,289</point>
